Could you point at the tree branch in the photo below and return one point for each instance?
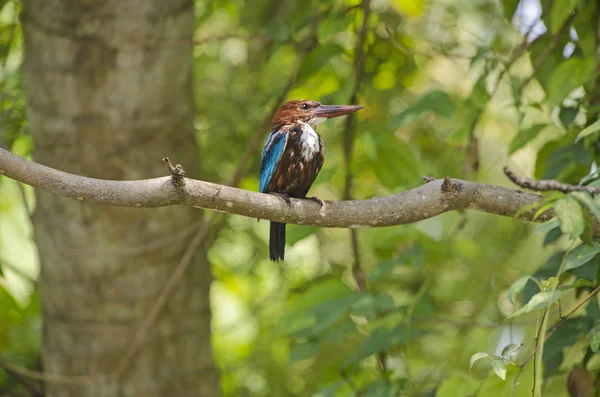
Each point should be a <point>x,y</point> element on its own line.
<point>548,184</point>
<point>424,202</point>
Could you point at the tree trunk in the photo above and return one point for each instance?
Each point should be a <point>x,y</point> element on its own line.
<point>109,93</point>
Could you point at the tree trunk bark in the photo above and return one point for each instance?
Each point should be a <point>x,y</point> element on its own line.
<point>109,94</point>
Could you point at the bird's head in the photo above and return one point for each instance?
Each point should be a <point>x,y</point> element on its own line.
<point>310,112</point>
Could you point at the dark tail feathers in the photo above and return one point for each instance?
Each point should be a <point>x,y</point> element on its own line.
<point>277,241</point>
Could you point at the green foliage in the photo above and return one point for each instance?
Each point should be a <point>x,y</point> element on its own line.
<point>436,75</point>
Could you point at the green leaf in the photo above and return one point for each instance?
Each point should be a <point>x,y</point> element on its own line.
<point>384,269</point>
<point>589,130</point>
<point>581,255</point>
<point>586,199</point>
<point>511,350</point>
<point>570,215</point>
<point>580,282</point>
<point>381,388</point>
<point>475,357</point>
<point>330,27</point>
<point>437,101</point>
<point>317,59</point>
<point>302,351</point>
<point>365,306</point>
<point>559,13</point>
<point>382,339</point>
<point>517,287</point>
<point>499,366</point>
<point>547,226</point>
<point>525,136</point>
<point>594,338</point>
<point>541,300</point>
<point>567,115</point>
<point>330,312</point>
<point>569,333</point>
<point>330,390</point>
<point>569,75</point>
<point>300,313</point>
<point>479,94</point>
<point>457,386</point>
<point>509,7</point>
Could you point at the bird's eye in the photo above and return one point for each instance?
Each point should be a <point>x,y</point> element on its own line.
<point>304,106</point>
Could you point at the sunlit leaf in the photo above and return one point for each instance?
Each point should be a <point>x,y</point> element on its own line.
<point>475,357</point>
<point>437,101</point>
<point>511,350</point>
<point>382,339</point>
<point>569,75</point>
<point>547,226</point>
<point>525,136</point>
<point>517,287</point>
<point>479,94</point>
<point>594,338</point>
<point>581,255</point>
<point>559,13</point>
<point>580,282</point>
<point>302,351</point>
<point>499,367</point>
<point>569,212</point>
<point>412,8</point>
<point>569,332</point>
<point>589,130</point>
<point>541,300</point>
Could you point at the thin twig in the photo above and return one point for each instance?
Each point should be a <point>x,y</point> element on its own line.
<point>349,135</point>
<point>547,184</point>
<point>348,144</point>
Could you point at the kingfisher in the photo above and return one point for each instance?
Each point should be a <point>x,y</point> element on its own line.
<point>293,156</point>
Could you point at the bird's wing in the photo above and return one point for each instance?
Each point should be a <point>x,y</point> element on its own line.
<point>271,155</point>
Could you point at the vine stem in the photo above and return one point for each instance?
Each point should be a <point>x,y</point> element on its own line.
<point>538,371</point>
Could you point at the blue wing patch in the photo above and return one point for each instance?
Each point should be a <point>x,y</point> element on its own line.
<point>271,155</point>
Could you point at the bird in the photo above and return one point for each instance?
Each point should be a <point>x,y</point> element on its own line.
<point>293,156</point>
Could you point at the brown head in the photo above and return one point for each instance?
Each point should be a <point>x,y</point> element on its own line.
<point>310,112</point>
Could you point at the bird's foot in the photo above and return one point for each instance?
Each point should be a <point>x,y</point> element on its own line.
<point>285,197</point>
<point>317,200</point>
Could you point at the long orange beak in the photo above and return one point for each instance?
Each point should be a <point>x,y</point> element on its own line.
<point>335,110</point>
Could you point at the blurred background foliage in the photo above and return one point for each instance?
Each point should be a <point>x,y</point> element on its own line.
<point>452,88</point>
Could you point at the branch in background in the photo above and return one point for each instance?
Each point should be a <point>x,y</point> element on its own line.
<point>548,184</point>
<point>348,146</point>
<point>349,137</point>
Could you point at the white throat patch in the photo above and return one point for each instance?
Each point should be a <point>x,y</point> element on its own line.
<point>309,141</point>
<point>315,121</point>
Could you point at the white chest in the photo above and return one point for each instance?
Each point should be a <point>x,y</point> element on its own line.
<point>309,142</point>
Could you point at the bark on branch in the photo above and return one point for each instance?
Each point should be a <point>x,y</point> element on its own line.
<point>433,198</point>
